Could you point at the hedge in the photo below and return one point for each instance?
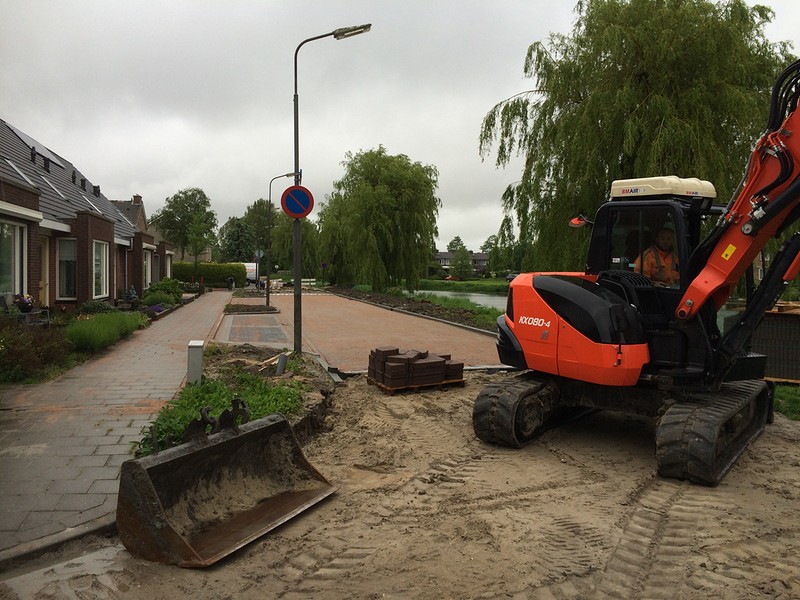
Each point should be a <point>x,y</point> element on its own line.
<point>212,274</point>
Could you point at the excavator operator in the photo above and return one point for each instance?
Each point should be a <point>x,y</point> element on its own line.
<point>659,262</point>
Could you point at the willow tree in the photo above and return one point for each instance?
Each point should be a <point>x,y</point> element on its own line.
<point>379,222</point>
<point>639,88</point>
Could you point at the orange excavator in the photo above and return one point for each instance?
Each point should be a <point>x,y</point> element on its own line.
<point>646,328</point>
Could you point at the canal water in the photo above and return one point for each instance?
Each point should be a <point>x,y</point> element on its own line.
<point>490,300</point>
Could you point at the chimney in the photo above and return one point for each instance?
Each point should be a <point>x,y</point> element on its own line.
<point>83,183</point>
<point>96,190</point>
<point>137,199</point>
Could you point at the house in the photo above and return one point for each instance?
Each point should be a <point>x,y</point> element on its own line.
<point>480,260</point>
<point>61,239</point>
<point>156,253</point>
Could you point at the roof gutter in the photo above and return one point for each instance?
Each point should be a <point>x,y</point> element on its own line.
<point>13,210</point>
<point>56,225</point>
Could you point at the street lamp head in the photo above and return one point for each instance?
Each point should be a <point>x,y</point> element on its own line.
<point>346,32</point>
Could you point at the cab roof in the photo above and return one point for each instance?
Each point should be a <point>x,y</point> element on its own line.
<point>669,185</point>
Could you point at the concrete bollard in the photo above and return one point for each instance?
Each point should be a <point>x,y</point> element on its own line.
<point>281,364</point>
<point>195,372</point>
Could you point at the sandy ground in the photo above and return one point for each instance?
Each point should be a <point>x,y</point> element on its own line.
<point>425,510</point>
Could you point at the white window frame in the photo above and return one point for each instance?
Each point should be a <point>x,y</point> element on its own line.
<point>99,273</point>
<point>148,269</point>
<point>19,263</point>
<point>59,241</point>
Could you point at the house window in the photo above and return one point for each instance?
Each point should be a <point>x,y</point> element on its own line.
<point>148,268</point>
<point>67,251</point>
<point>12,256</point>
<point>100,269</point>
<point>156,267</point>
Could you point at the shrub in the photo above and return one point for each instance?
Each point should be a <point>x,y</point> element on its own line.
<point>153,298</point>
<point>262,398</point>
<point>213,274</point>
<point>171,287</point>
<point>94,307</point>
<point>28,352</point>
<point>103,330</point>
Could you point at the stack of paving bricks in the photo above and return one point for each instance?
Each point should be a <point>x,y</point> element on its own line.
<point>393,369</point>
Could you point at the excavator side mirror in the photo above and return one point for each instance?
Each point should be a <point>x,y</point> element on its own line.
<point>580,221</point>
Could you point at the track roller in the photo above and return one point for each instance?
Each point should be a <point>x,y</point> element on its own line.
<point>700,439</point>
<point>515,412</point>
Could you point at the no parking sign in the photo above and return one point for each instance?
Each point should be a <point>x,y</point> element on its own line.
<point>297,202</point>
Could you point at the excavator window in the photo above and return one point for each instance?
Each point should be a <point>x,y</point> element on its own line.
<point>643,240</point>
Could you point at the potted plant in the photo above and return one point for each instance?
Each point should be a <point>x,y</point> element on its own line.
<point>24,302</point>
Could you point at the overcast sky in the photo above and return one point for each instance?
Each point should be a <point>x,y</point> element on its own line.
<point>151,97</point>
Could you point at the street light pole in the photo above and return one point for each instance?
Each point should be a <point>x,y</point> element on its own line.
<point>339,34</point>
<point>269,232</point>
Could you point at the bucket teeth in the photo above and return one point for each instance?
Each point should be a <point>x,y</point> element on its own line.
<point>199,427</point>
<point>230,418</point>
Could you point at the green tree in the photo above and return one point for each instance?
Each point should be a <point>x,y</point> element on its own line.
<point>380,221</point>
<point>283,245</point>
<point>639,88</point>
<point>262,220</point>
<point>186,209</point>
<point>199,237</point>
<point>237,241</point>
<point>455,244</point>
<point>461,266</point>
<point>491,242</point>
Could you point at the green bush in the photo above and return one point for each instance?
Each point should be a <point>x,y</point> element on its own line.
<point>26,353</point>
<point>95,307</point>
<point>213,274</point>
<point>153,298</point>
<point>171,287</point>
<point>262,398</point>
<point>102,330</point>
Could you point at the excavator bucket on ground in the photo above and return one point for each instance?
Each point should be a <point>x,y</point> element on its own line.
<point>194,504</point>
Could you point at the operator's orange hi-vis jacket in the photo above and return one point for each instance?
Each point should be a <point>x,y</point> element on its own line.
<point>661,266</point>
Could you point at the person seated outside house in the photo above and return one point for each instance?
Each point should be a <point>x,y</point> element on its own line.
<point>659,262</point>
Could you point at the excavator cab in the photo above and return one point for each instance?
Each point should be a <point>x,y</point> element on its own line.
<point>641,214</point>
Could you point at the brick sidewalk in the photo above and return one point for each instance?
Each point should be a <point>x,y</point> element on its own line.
<point>62,442</point>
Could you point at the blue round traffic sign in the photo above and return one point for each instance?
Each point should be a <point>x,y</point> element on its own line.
<point>297,202</point>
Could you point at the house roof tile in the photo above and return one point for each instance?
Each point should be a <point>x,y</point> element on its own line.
<point>64,190</point>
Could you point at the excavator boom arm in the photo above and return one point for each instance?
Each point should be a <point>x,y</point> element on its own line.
<point>766,203</point>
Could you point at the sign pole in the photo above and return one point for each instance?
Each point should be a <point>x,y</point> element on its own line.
<point>297,202</point>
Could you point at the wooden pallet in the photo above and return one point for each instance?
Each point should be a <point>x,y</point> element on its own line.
<point>416,388</point>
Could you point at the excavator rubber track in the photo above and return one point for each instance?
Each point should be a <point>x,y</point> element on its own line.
<point>701,438</point>
<point>697,439</point>
<point>514,413</point>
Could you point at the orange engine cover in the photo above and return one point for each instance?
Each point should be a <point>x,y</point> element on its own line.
<point>553,345</point>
